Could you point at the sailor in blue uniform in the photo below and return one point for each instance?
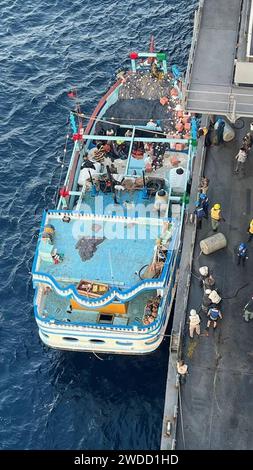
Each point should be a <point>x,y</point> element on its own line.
<point>242,253</point>
<point>213,316</point>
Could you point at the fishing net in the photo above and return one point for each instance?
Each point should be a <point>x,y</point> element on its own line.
<point>139,101</point>
<point>145,86</point>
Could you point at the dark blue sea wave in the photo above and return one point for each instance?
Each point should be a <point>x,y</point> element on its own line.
<point>51,399</point>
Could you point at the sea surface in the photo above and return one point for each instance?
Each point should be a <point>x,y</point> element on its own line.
<point>52,399</point>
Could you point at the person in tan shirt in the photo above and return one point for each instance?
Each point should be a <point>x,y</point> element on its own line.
<point>194,325</point>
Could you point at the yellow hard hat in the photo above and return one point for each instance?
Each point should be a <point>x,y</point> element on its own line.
<point>217,206</point>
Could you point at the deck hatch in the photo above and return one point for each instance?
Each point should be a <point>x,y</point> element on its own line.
<point>105,318</point>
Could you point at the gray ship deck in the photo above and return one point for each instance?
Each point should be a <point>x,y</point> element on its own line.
<point>217,398</point>
<point>219,41</point>
<point>214,408</point>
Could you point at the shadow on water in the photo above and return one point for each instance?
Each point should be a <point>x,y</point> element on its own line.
<point>54,399</point>
<point>116,400</point>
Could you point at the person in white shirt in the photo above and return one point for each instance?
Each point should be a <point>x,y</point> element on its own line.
<point>182,370</point>
<point>241,158</point>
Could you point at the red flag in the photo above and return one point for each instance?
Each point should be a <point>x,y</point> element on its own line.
<point>64,192</point>
<point>76,137</point>
<point>72,94</point>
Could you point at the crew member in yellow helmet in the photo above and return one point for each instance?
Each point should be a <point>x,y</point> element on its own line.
<point>250,230</point>
<point>216,216</point>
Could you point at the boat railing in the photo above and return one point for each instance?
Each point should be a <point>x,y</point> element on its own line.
<point>136,138</point>
<point>73,161</point>
<point>81,326</point>
<point>113,293</point>
<point>81,215</point>
<point>195,36</point>
<point>130,151</point>
<point>153,328</point>
<point>148,55</point>
<point>55,324</point>
<point>229,102</point>
<point>81,196</point>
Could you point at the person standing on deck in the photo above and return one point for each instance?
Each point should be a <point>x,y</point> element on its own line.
<point>204,184</point>
<point>182,370</point>
<point>250,230</point>
<point>216,216</point>
<point>194,323</point>
<point>214,314</point>
<point>219,127</point>
<point>199,213</point>
<point>248,310</point>
<point>242,253</point>
<point>206,301</point>
<point>203,131</point>
<point>204,201</point>
<point>209,282</point>
<point>240,158</point>
<point>206,280</point>
<point>247,141</point>
<point>204,273</point>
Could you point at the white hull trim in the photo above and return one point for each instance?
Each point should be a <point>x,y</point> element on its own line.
<point>108,347</point>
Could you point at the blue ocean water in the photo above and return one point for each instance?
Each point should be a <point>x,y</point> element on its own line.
<point>52,399</point>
